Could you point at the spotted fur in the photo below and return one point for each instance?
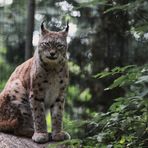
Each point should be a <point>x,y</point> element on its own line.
<point>43,77</point>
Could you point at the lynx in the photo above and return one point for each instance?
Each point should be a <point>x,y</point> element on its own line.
<point>44,76</point>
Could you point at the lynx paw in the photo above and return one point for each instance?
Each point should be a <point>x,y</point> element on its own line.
<point>40,137</point>
<point>26,132</point>
<point>60,136</point>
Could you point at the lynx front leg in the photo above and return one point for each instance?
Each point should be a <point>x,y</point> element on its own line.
<point>57,126</point>
<point>38,112</point>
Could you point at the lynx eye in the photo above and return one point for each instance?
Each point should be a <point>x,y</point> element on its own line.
<point>60,46</point>
<point>46,44</point>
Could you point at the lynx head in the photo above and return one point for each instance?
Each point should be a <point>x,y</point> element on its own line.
<point>52,46</point>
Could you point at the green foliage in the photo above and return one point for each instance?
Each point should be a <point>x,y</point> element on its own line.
<point>5,72</point>
<point>2,85</point>
<point>126,122</point>
<point>74,68</point>
<point>76,100</point>
<point>131,6</point>
<point>92,3</point>
<point>117,7</point>
<point>116,70</point>
<point>142,28</point>
<point>74,143</point>
<point>129,75</point>
<point>85,95</point>
<point>48,120</point>
<point>124,7</point>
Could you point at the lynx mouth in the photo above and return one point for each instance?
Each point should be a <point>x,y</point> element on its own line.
<point>52,57</point>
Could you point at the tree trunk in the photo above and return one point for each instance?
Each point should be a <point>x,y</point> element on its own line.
<point>109,49</point>
<point>29,28</point>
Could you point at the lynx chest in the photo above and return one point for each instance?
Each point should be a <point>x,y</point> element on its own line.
<point>52,89</point>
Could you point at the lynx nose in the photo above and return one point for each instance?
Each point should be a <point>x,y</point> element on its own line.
<point>52,53</point>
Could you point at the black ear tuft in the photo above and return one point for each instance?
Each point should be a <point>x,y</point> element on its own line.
<point>43,28</point>
<point>42,25</point>
<point>67,26</point>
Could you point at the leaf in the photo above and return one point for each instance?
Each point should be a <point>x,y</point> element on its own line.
<point>118,7</point>
<point>85,95</point>
<point>142,28</point>
<point>144,93</point>
<point>102,74</point>
<point>92,3</point>
<point>142,79</point>
<point>125,7</point>
<point>122,140</point>
<point>118,82</point>
<point>116,70</point>
<point>101,137</point>
<point>110,146</point>
<point>67,143</point>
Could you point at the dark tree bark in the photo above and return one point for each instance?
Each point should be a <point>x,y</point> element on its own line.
<point>29,28</point>
<point>109,49</point>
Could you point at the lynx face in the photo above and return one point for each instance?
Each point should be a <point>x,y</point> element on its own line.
<point>52,46</point>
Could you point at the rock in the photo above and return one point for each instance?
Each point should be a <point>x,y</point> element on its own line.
<point>11,141</point>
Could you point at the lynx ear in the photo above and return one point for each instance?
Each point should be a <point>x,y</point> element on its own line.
<point>43,29</point>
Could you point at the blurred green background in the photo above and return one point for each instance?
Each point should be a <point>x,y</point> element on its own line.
<point>106,103</point>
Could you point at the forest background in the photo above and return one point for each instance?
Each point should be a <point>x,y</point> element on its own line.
<point>106,103</point>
